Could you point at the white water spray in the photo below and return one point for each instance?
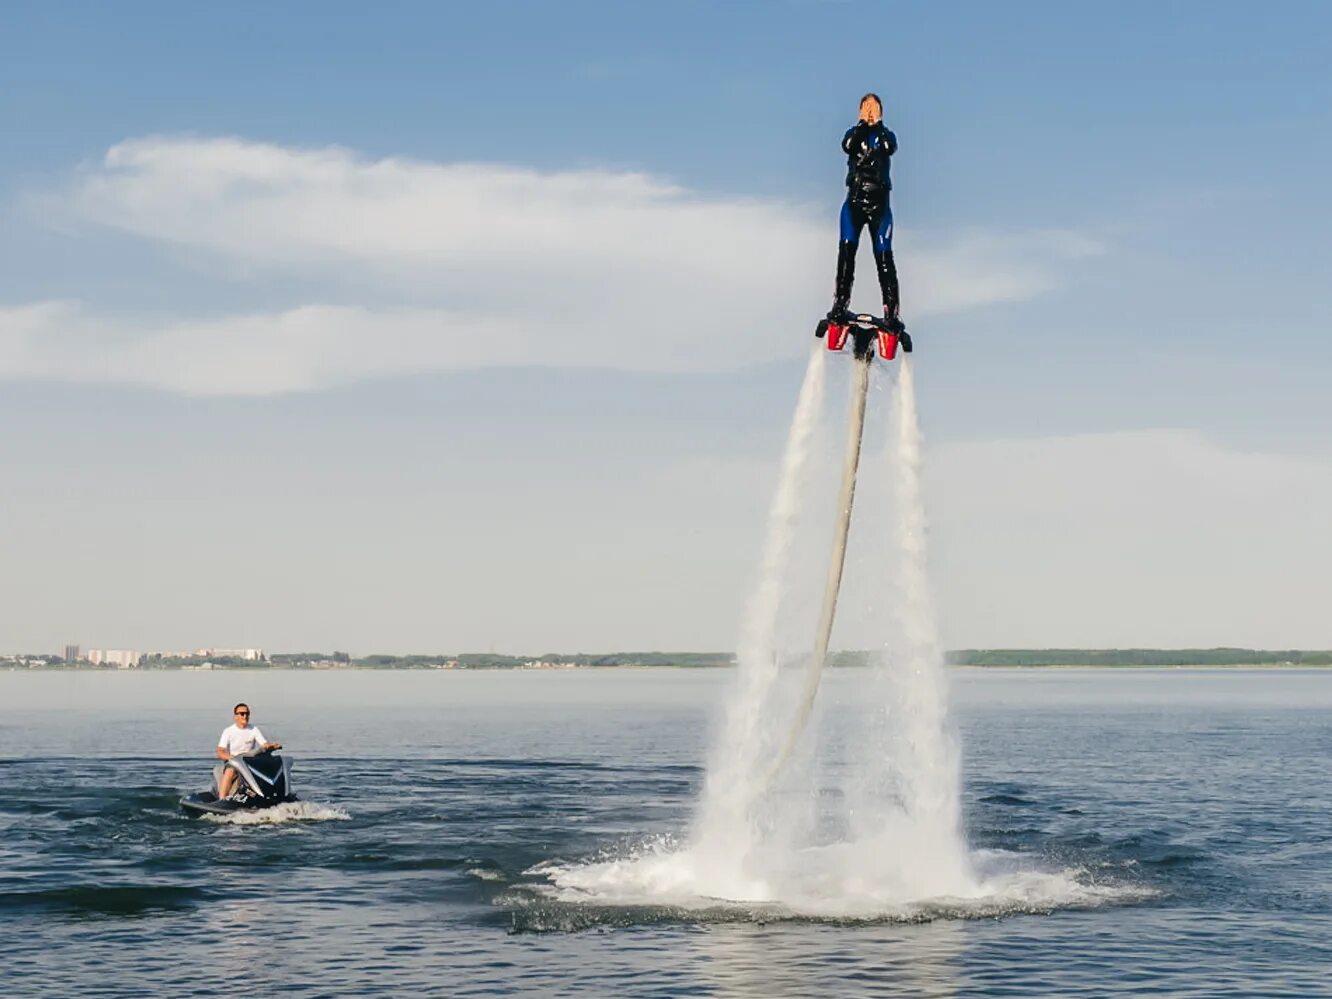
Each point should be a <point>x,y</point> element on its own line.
<point>933,783</point>
<point>900,781</point>
<point>873,831</point>
<point>730,790</point>
<point>287,811</point>
<point>918,736</point>
<point>832,589</point>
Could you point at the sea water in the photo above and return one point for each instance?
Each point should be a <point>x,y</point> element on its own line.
<point>1188,809</point>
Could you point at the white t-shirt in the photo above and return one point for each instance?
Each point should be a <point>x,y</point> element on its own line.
<point>238,741</point>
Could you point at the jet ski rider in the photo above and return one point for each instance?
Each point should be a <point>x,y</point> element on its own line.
<point>869,146</point>
<point>238,739</point>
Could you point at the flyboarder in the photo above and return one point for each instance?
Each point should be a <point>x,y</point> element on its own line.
<point>869,147</point>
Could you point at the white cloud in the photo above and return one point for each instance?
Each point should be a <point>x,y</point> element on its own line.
<point>257,354</point>
<point>461,265</point>
<point>1144,538</point>
<point>982,268</point>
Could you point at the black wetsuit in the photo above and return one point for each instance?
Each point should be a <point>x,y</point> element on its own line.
<point>869,149</point>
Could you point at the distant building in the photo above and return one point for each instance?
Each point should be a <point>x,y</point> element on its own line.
<point>71,653</point>
<point>124,658</point>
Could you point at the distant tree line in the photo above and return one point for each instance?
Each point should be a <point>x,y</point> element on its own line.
<point>401,662</point>
<point>156,660</point>
<point>492,660</point>
<point>643,659</point>
<point>961,657</point>
<point>1140,657</point>
<point>292,658</point>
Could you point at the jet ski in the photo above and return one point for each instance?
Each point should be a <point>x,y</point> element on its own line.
<point>263,780</point>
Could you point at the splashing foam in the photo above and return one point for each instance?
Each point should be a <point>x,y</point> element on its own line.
<point>288,811</point>
<point>838,883</point>
<point>872,828</point>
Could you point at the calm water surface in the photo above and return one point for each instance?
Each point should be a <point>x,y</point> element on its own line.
<point>434,795</point>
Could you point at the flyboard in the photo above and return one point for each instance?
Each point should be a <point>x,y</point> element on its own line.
<point>865,332</point>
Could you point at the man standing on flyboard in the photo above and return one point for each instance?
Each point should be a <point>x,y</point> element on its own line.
<point>869,147</point>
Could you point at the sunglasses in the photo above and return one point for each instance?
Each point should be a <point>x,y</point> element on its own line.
<point>242,714</point>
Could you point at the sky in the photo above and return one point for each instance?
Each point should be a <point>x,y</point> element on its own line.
<point>457,327</point>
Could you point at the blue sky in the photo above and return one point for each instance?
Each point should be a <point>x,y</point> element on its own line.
<point>1112,230</point>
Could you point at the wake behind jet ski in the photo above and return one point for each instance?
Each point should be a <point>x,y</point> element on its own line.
<point>263,779</point>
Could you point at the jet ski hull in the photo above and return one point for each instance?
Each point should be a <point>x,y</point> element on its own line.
<point>208,803</point>
<point>262,780</point>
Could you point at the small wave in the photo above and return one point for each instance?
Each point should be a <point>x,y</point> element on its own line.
<point>108,900</point>
<point>485,874</point>
<point>1005,799</point>
<point>288,811</point>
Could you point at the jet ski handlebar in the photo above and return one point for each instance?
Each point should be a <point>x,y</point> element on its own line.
<point>257,752</point>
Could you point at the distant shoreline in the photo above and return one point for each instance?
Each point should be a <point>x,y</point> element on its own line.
<point>979,667</point>
<point>1145,666</point>
<point>207,660</point>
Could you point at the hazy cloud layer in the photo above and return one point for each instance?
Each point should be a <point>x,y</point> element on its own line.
<point>1147,538</point>
<point>454,266</point>
<point>1153,538</point>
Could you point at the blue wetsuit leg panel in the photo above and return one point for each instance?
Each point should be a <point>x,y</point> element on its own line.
<point>883,232</point>
<point>850,225</point>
